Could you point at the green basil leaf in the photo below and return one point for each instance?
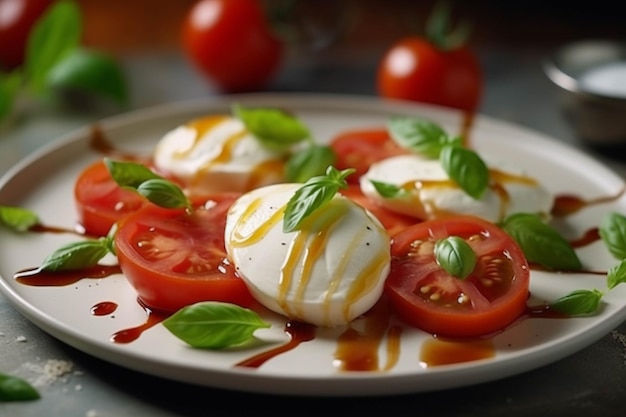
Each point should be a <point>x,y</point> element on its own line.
<point>612,230</point>
<point>9,87</point>
<point>273,128</point>
<point>309,162</point>
<point>419,135</point>
<point>76,255</point>
<point>55,34</point>
<point>540,243</point>
<point>315,193</point>
<point>17,219</point>
<point>91,72</point>
<point>163,193</point>
<point>16,389</point>
<point>466,168</point>
<point>455,256</point>
<point>578,302</point>
<point>214,325</point>
<point>616,275</point>
<point>129,174</point>
<point>387,190</point>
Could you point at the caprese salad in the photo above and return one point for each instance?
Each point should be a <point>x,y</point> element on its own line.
<point>235,211</point>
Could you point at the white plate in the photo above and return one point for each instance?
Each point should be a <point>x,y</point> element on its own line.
<point>43,183</point>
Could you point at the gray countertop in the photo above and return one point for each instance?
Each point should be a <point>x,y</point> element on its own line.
<point>72,383</point>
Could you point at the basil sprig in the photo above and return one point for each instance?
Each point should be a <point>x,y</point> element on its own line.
<point>55,63</point>
<point>214,325</point>
<point>273,128</point>
<point>541,243</point>
<point>463,165</point>
<point>583,301</point>
<point>17,219</point>
<point>79,255</point>
<point>13,388</point>
<point>455,256</point>
<point>420,135</point>
<point>313,194</point>
<point>153,187</point>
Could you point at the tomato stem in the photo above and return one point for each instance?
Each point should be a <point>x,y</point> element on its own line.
<point>438,29</point>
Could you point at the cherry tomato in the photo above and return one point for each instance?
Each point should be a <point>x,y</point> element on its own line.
<point>173,258</point>
<point>17,17</point>
<point>231,42</point>
<point>415,69</point>
<point>425,296</point>
<point>100,202</point>
<point>392,222</point>
<point>358,149</point>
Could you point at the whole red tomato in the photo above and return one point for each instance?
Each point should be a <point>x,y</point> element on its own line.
<point>438,68</point>
<point>231,42</point>
<point>16,19</point>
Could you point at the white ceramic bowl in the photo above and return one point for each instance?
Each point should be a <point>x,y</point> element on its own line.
<point>591,76</point>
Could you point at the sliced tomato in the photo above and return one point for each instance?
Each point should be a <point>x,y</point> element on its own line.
<point>425,296</point>
<point>100,202</point>
<point>359,149</point>
<point>174,258</point>
<point>393,222</point>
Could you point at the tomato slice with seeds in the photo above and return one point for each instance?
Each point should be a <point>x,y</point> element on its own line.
<point>422,294</point>
<point>174,258</point>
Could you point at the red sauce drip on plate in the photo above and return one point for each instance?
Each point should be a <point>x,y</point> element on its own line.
<point>436,352</point>
<point>567,204</point>
<point>103,308</point>
<point>39,278</point>
<point>298,332</point>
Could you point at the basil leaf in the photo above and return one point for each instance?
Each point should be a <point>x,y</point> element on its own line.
<point>540,243</point>
<point>466,168</point>
<point>89,71</point>
<point>163,193</point>
<point>387,190</point>
<point>273,128</point>
<point>578,302</point>
<point>419,135</point>
<point>455,256</point>
<point>616,275</point>
<point>129,174</point>
<point>76,255</point>
<point>9,87</point>
<point>612,230</point>
<point>17,219</point>
<point>309,162</point>
<point>55,34</point>
<point>315,193</point>
<point>214,325</point>
<point>16,389</point>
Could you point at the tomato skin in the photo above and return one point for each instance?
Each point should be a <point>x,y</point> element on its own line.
<point>100,202</point>
<point>359,149</point>
<point>17,19</point>
<point>173,259</point>
<point>495,304</point>
<point>414,69</point>
<point>231,42</point>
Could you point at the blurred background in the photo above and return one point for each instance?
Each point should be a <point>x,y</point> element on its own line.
<point>353,33</point>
